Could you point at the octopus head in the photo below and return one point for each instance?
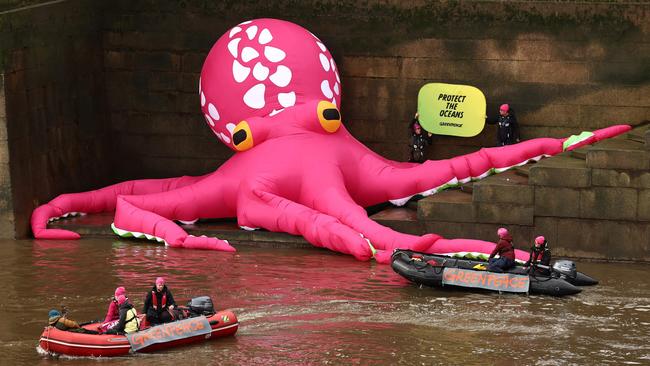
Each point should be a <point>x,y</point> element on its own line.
<point>262,70</point>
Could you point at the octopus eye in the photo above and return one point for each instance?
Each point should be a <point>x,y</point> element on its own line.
<point>242,138</point>
<point>329,116</point>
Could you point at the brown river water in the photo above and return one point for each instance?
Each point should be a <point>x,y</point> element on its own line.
<point>313,307</point>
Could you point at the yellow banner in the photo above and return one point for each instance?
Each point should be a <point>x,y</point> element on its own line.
<point>450,109</point>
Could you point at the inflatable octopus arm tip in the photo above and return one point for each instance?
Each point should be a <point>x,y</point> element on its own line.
<point>56,234</point>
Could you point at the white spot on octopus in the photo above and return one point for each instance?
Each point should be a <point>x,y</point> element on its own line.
<point>325,88</point>
<point>232,46</point>
<point>260,72</point>
<point>213,112</point>
<point>274,54</point>
<point>239,72</point>
<point>287,99</point>
<point>254,97</point>
<point>281,77</point>
<point>324,62</point>
<point>248,53</point>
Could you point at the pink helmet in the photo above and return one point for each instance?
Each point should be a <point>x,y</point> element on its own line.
<point>539,241</point>
<point>121,299</point>
<point>504,107</point>
<point>160,281</point>
<point>502,232</point>
<point>120,291</point>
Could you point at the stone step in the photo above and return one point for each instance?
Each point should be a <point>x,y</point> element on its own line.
<point>523,170</point>
<point>506,187</point>
<point>641,134</point>
<point>402,219</point>
<point>467,187</point>
<point>619,153</point>
<point>450,205</point>
<point>560,171</point>
<point>580,153</point>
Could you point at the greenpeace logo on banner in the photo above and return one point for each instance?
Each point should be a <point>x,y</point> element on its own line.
<point>449,109</point>
<point>486,280</point>
<point>169,332</point>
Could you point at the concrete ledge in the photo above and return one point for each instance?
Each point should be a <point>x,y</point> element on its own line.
<point>560,171</point>
<point>402,219</point>
<point>507,187</point>
<point>619,154</point>
<point>451,205</point>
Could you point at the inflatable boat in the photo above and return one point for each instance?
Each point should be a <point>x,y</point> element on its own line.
<point>149,339</point>
<point>561,279</point>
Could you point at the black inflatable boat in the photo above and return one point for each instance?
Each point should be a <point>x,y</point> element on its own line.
<point>441,271</point>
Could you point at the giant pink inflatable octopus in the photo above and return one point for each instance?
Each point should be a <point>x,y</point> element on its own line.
<point>270,90</point>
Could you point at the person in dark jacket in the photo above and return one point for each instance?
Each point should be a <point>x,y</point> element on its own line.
<point>539,254</point>
<point>507,126</point>
<point>419,141</point>
<point>159,304</point>
<point>506,252</point>
<point>128,320</point>
<point>59,321</point>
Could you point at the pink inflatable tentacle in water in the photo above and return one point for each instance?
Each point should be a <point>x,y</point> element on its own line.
<point>100,200</point>
<point>151,215</point>
<point>131,218</point>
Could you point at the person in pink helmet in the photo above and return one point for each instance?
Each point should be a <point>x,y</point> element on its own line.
<point>419,140</point>
<point>128,321</point>
<point>507,126</point>
<point>159,304</point>
<point>113,312</point>
<point>539,254</point>
<point>506,252</point>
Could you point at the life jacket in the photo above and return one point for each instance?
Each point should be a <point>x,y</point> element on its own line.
<point>154,300</point>
<point>542,256</point>
<point>132,323</point>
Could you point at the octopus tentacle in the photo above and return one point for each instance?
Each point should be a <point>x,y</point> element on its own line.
<point>434,175</point>
<point>399,184</point>
<point>135,214</point>
<point>261,208</point>
<point>100,200</point>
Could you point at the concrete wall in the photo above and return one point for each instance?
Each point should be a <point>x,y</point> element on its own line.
<point>564,67</point>
<point>51,58</point>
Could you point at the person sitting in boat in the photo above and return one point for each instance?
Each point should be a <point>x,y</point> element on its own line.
<point>506,252</point>
<point>128,321</point>
<point>59,321</point>
<point>113,313</point>
<point>540,254</point>
<point>159,304</point>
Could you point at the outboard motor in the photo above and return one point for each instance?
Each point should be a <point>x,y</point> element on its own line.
<point>565,269</point>
<point>201,305</point>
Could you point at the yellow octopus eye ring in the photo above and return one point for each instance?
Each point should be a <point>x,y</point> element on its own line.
<point>329,116</point>
<point>242,138</point>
